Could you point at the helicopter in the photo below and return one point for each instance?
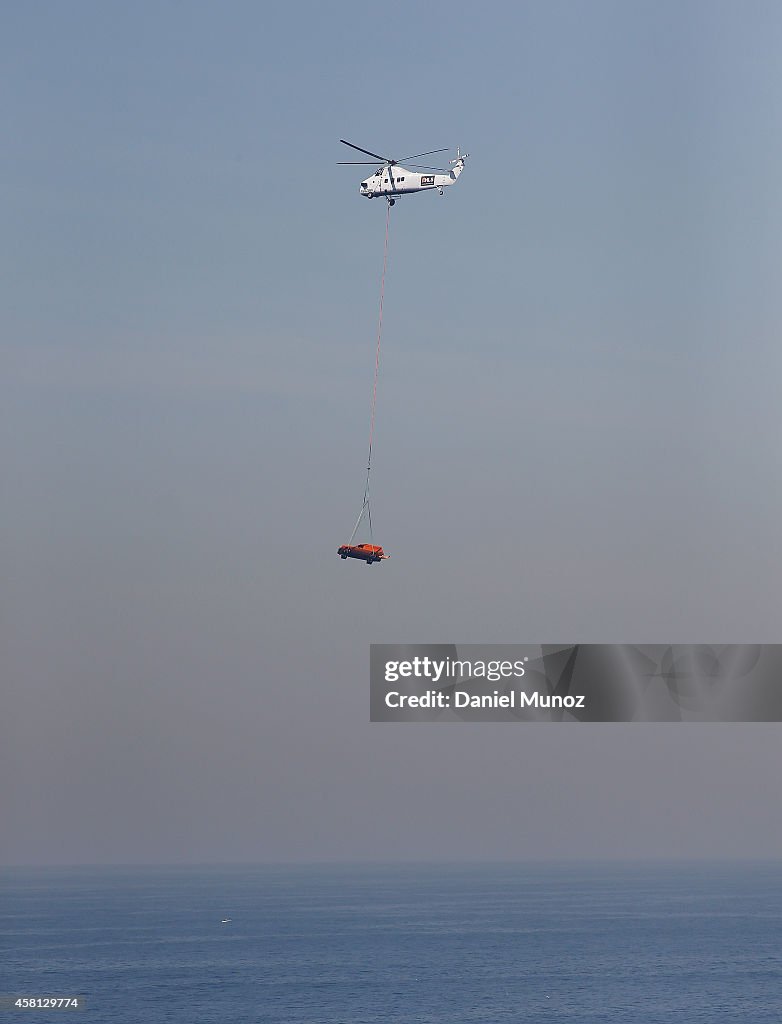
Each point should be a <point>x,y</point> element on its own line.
<point>392,180</point>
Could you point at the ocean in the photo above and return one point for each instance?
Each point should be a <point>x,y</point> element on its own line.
<point>451,944</point>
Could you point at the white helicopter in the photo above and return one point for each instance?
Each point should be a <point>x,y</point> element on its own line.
<point>392,180</point>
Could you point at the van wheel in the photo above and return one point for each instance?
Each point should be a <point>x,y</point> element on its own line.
<point>343,556</point>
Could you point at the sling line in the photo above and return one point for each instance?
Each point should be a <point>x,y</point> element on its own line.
<point>365,506</point>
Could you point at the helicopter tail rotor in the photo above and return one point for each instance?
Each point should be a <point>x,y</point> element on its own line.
<point>457,165</point>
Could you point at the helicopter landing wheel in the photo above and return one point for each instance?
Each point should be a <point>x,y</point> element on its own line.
<point>391,202</point>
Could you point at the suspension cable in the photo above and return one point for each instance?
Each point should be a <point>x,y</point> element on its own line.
<point>365,507</point>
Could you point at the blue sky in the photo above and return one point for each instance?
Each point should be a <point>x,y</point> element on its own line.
<point>578,417</point>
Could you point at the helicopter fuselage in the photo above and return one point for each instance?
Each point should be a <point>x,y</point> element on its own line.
<point>393,181</point>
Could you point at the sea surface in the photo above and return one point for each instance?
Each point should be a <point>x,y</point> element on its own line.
<point>604,943</point>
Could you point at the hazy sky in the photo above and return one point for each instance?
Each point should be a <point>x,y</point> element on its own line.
<point>578,433</point>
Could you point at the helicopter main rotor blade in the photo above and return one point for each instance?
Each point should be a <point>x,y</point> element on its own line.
<point>357,163</point>
<point>385,159</point>
<point>414,155</point>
